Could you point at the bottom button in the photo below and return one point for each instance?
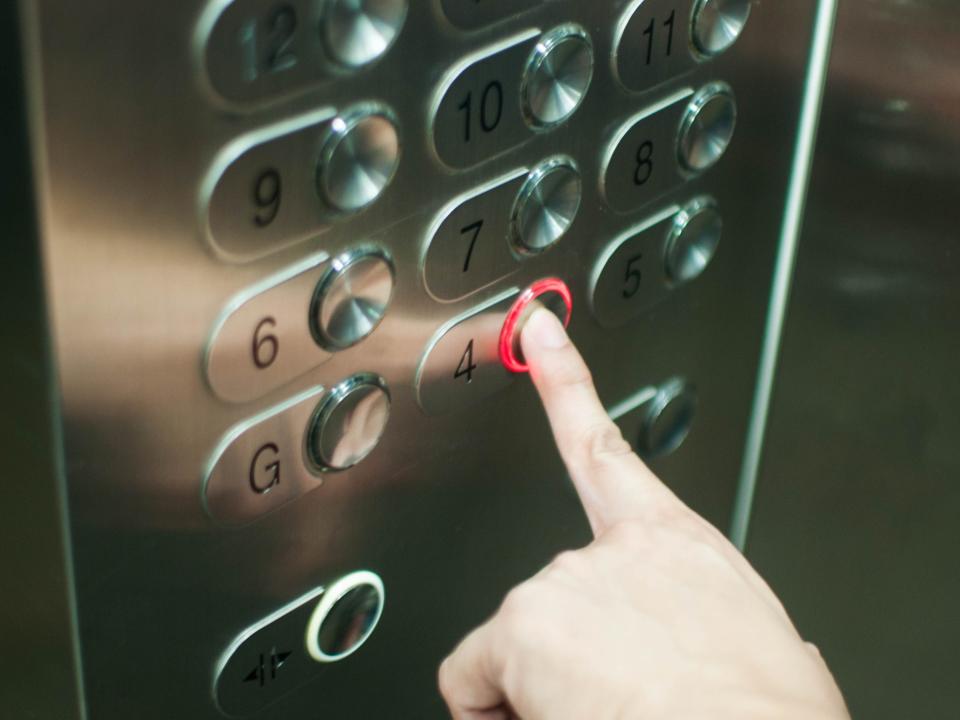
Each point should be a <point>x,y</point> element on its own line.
<point>667,419</point>
<point>345,617</point>
<point>551,293</point>
<point>272,658</point>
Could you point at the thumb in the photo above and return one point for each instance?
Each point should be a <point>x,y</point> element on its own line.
<point>613,483</point>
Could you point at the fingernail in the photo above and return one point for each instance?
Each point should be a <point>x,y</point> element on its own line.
<point>545,329</point>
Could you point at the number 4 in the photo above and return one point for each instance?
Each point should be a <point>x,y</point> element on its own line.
<point>467,365</point>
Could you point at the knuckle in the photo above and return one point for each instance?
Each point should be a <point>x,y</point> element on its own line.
<point>628,534</point>
<point>569,562</point>
<point>571,374</point>
<point>603,443</point>
<point>517,606</point>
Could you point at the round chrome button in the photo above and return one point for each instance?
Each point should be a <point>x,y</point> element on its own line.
<point>351,298</point>
<point>357,32</point>
<point>349,422</point>
<point>546,205</point>
<point>668,419</point>
<point>707,127</point>
<point>558,76</point>
<point>359,158</point>
<point>345,617</point>
<point>693,240</point>
<point>718,23</point>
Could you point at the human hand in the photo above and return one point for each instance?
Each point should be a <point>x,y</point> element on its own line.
<point>660,617</point>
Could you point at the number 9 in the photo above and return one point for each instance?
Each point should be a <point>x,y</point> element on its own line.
<point>266,196</point>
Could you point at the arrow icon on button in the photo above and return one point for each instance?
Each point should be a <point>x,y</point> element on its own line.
<point>264,671</point>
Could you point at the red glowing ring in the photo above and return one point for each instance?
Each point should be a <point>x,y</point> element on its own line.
<point>540,287</point>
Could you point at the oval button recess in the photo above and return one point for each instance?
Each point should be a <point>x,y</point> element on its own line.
<point>260,464</point>
<point>470,14</point>
<point>267,660</point>
<point>264,339</point>
<point>642,161</point>
<point>462,363</point>
<point>291,645</point>
<point>256,52</point>
<point>629,277</point>
<point>469,250</point>
<point>478,112</point>
<point>651,43</point>
<point>260,193</point>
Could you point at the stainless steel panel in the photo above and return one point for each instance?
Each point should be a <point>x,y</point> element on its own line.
<point>855,521</point>
<point>450,509</point>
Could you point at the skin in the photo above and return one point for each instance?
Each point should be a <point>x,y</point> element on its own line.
<point>660,617</point>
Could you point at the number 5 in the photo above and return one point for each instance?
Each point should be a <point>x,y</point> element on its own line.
<point>632,277</point>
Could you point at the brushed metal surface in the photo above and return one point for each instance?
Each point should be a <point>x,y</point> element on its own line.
<point>855,519</point>
<point>451,509</point>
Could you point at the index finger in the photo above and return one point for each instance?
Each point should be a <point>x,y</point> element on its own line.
<point>611,480</point>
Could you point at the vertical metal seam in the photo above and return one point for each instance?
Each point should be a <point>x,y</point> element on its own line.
<point>801,167</point>
<point>29,21</point>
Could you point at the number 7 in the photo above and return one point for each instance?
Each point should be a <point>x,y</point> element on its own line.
<point>475,228</point>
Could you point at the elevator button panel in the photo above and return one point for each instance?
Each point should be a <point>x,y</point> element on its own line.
<point>462,364</point>
<point>349,422</point>
<point>642,266</point>
<point>471,15</point>
<point>658,150</point>
<point>260,464</point>
<point>264,339</point>
<point>290,647</point>
<point>254,52</point>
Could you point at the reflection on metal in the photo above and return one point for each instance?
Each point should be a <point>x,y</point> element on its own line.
<point>786,259</point>
<point>547,205</point>
<point>558,75</point>
<point>349,422</point>
<point>707,127</point>
<point>667,419</point>
<point>352,298</point>
<point>693,240</point>
<point>357,32</point>
<point>359,158</point>
<point>345,617</point>
<point>718,23</point>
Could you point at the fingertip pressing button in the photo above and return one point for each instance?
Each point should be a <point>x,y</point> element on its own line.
<point>551,293</point>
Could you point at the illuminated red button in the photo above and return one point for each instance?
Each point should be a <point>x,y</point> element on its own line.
<point>551,293</point>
